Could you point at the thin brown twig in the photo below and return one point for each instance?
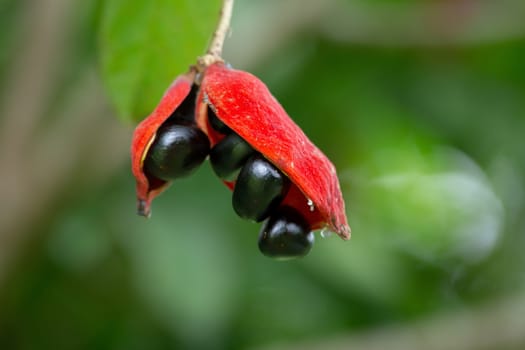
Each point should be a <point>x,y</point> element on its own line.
<point>217,42</point>
<point>214,52</point>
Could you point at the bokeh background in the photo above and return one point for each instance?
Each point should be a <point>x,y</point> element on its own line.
<point>421,107</point>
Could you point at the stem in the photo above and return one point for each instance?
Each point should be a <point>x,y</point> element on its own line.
<point>214,52</point>
<point>217,41</point>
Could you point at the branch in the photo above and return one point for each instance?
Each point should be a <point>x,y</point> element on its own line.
<point>214,52</point>
<point>217,41</point>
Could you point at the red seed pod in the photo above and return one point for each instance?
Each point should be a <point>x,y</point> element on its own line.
<point>244,103</point>
<point>147,186</point>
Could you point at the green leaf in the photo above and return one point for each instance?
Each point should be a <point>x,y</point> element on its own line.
<point>145,44</point>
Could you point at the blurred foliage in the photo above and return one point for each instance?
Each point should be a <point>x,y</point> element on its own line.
<point>428,143</point>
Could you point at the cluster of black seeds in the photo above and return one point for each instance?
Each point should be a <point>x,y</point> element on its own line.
<point>180,147</point>
<point>259,189</point>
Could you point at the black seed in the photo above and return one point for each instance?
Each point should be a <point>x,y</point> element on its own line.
<point>176,152</point>
<point>229,155</point>
<point>285,234</point>
<point>216,123</point>
<point>259,189</point>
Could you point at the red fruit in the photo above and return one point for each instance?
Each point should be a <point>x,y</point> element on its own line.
<point>244,104</point>
<point>149,186</point>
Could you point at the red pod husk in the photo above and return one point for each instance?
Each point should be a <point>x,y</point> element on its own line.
<point>148,186</point>
<point>244,103</point>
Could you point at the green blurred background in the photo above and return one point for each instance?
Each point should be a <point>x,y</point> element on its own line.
<point>419,104</point>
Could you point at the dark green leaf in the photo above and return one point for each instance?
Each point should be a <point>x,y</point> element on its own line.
<point>145,44</point>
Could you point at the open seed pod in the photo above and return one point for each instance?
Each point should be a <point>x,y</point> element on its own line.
<point>175,114</point>
<point>244,104</point>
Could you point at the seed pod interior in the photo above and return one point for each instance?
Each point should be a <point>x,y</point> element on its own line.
<point>243,103</point>
<point>148,187</point>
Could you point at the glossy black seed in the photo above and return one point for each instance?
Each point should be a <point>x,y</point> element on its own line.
<point>259,189</point>
<point>216,123</point>
<point>176,152</point>
<point>228,156</point>
<point>285,235</point>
